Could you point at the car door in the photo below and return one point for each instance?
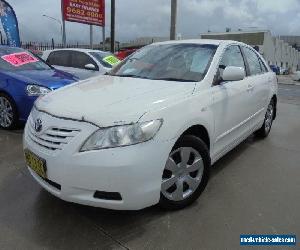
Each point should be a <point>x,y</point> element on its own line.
<point>259,79</point>
<point>230,104</point>
<point>78,63</point>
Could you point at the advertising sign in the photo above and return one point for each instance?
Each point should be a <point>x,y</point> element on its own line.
<point>84,11</point>
<point>9,23</point>
<point>19,59</point>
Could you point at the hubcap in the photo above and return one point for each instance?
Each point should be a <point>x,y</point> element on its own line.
<point>269,117</point>
<point>183,174</point>
<point>6,113</point>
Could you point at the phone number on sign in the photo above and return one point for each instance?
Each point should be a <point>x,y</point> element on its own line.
<point>83,12</point>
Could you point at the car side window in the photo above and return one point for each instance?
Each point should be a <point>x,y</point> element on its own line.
<point>253,62</point>
<point>232,57</point>
<point>80,59</point>
<point>60,58</point>
<point>263,66</point>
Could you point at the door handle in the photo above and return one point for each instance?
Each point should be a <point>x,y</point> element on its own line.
<point>250,88</point>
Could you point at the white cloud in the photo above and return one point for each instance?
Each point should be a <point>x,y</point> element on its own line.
<point>277,6</point>
<point>204,7</point>
<point>293,26</point>
<point>239,11</point>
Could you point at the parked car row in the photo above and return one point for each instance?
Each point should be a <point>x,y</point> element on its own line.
<point>279,70</point>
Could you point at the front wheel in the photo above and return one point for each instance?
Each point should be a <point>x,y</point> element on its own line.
<point>267,125</point>
<point>8,113</point>
<point>186,173</point>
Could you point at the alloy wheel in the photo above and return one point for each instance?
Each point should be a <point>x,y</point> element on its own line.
<point>182,174</point>
<point>269,117</point>
<point>6,112</point>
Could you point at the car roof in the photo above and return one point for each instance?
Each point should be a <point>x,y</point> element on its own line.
<point>202,41</point>
<point>79,50</point>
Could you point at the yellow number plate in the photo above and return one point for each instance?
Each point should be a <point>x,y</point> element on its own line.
<point>37,164</point>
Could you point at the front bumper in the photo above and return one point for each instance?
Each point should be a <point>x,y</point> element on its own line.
<point>134,172</point>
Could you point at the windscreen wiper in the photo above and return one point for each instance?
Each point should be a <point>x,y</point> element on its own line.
<point>132,75</point>
<point>175,79</point>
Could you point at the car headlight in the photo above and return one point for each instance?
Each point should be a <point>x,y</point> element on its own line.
<point>36,90</point>
<point>120,136</point>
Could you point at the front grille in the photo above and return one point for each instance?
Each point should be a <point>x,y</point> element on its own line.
<point>53,138</point>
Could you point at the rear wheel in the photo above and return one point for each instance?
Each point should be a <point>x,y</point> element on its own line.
<point>269,117</point>
<point>8,112</point>
<point>186,173</point>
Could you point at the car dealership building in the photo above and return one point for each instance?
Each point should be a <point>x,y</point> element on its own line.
<point>275,50</point>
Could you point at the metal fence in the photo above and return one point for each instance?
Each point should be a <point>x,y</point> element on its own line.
<point>40,46</point>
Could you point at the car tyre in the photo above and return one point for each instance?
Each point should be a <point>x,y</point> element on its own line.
<point>186,173</point>
<point>265,129</point>
<point>8,112</point>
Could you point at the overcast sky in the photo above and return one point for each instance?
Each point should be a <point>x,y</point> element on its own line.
<point>139,18</point>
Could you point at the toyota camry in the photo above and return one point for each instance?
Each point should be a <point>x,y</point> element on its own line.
<point>148,132</point>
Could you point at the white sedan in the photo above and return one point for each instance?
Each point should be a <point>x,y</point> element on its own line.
<point>149,132</point>
<point>83,63</point>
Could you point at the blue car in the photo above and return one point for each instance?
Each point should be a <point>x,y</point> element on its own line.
<point>23,78</point>
<point>275,69</point>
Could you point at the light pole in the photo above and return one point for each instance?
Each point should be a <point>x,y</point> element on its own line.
<point>173,19</point>
<point>60,23</point>
<point>112,25</point>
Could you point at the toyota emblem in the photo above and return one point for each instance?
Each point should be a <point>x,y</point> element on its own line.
<point>38,125</point>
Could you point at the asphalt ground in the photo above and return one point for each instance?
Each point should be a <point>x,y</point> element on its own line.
<point>253,190</point>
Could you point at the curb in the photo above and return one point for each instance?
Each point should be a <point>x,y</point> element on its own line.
<point>289,83</point>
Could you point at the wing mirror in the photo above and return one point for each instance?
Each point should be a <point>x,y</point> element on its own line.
<point>90,66</point>
<point>232,73</point>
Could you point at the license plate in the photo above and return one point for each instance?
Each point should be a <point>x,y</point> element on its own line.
<point>36,163</point>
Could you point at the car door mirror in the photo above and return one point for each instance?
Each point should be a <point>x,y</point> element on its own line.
<point>232,73</point>
<point>90,66</point>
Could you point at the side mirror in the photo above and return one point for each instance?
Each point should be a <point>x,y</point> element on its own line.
<point>232,73</point>
<point>90,66</point>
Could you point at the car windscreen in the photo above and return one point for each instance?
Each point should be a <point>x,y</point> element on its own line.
<point>173,62</point>
<point>17,59</point>
<point>106,59</point>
